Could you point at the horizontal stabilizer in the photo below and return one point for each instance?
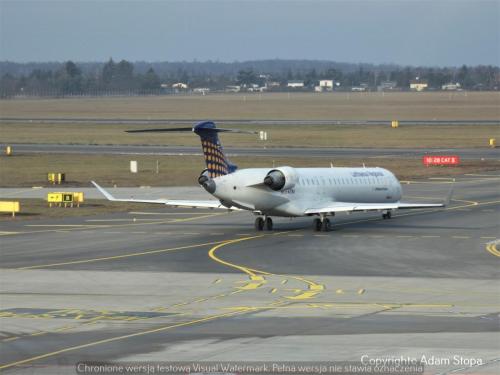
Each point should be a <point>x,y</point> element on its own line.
<point>174,130</point>
<point>160,130</point>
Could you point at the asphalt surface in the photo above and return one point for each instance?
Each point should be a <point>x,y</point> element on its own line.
<point>193,285</point>
<point>331,153</point>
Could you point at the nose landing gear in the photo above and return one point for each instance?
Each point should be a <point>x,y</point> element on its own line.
<point>263,222</point>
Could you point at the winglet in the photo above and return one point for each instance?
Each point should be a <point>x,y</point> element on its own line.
<point>450,194</point>
<point>108,196</point>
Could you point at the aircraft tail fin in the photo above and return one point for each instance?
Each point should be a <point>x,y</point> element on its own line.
<point>217,162</point>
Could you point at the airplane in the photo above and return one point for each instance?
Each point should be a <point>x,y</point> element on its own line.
<point>286,191</point>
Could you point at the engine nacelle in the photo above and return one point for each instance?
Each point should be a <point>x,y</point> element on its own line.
<point>204,177</point>
<point>207,183</point>
<point>281,178</point>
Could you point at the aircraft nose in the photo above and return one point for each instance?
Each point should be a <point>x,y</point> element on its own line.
<point>210,186</point>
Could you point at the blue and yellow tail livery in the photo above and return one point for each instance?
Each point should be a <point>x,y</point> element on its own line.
<point>215,159</point>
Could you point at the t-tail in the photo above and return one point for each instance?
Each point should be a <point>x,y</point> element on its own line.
<point>213,152</point>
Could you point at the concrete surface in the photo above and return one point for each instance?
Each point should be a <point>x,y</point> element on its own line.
<point>174,285</point>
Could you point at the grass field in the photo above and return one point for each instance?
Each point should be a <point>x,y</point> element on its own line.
<point>31,170</point>
<point>373,136</point>
<point>38,209</point>
<point>338,106</point>
<point>341,106</point>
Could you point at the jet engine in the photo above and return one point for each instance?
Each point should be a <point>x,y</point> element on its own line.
<point>203,177</point>
<point>281,178</point>
<point>206,182</point>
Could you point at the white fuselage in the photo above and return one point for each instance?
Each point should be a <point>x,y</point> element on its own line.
<point>311,187</point>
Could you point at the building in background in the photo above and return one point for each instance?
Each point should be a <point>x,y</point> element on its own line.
<point>451,86</point>
<point>233,88</point>
<point>361,88</point>
<point>273,85</point>
<point>388,86</point>
<point>294,84</point>
<point>324,85</point>
<point>180,86</point>
<point>418,84</point>
<point>201,90</point>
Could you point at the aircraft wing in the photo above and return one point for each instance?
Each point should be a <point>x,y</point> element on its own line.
<point>168,202</point>
<point>351,207</point>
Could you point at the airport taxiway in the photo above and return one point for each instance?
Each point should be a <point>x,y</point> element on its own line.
<point>194,285</point>
<point>331,153</point>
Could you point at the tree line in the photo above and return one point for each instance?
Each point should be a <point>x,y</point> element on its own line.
<point>69,79</point>
<point>142,78</point>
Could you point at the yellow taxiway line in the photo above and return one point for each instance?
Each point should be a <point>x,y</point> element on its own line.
<point>120,256</point>
<point>256,276</point>
<point>123,337</point>
<point>492,248</point>
<point>59,228</point>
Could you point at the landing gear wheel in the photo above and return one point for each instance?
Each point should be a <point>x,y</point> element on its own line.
<point>386,215</point>
<point>317,225</point>
<point>269,223</point>
<point>325,226</point>
<point>259,223</point>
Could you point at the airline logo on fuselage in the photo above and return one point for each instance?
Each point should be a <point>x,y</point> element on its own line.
<point>367,174</point>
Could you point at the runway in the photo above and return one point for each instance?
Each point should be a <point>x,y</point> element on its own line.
<point>193,285</point>
<point>331,153</point>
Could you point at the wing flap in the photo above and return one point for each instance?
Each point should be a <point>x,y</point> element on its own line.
<point>351,207</point>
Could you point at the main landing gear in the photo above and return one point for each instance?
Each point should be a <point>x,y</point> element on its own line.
<point>264,222</point>
<point>322,224</point>
<point>386,215</point>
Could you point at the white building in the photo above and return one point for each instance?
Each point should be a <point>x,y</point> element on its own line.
<point>295,84</point>
<point>201,90</point>
<point>272,84</point>
<point>451,86</point>
<point>418,84</point>
<point>327,84</point>
<point>324,85</point>
<point>361,88</point>
<point>233,88</point>
<point>180,86</point>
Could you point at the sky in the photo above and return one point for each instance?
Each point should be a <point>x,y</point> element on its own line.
<point>406,32</point>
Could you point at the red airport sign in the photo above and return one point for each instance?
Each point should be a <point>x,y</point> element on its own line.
<point>441,160</point>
